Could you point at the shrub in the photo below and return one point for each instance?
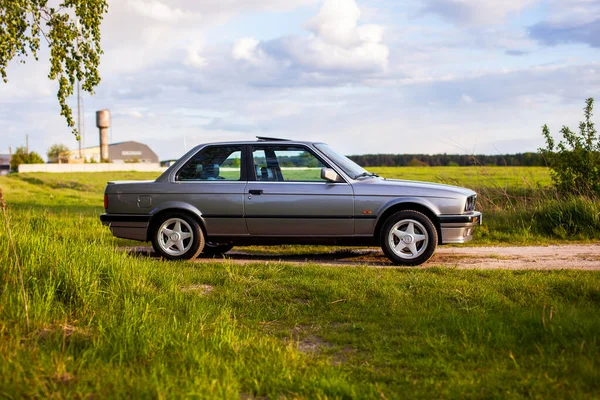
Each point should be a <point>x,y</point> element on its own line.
<point>21,156</point>
<point>575,162</point>
<point>573,218</point>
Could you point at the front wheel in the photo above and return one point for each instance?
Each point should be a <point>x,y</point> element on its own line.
<point>408,238</point>
<point>177,236</point>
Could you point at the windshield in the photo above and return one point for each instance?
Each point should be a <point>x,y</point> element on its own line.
<point>352,169</point>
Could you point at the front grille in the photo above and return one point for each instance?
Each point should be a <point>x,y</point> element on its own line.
<point>471,201</point>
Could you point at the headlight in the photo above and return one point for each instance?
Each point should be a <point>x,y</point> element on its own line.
<point>471,200</point>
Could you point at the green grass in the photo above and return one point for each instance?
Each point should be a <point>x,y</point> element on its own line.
<point>106,324</point>
<point>472,177</point>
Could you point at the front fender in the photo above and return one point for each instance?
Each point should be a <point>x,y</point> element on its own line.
<point>424,202</point>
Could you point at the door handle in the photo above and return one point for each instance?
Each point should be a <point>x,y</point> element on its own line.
<point>255,191</point>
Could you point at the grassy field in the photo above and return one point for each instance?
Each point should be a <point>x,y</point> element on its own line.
<point>473,177</point>
<point>106,324</point>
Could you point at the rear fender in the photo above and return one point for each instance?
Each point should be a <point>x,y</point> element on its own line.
<point>176,206</point>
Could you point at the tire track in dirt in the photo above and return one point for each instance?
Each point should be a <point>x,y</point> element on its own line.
<point>581,257</point>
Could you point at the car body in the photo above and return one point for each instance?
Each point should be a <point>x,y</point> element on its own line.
<point>276,191</point>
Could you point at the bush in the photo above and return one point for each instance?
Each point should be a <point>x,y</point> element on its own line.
<point>21,156</point>
<point>575,162</point>
<point>573,218</point>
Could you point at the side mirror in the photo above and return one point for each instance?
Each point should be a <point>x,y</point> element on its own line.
<point>330,175</point>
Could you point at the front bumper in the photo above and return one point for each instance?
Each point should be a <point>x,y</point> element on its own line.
<point>459,228</point>
<point>127,226</point>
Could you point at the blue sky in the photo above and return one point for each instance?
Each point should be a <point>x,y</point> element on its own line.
<point>378,76</point>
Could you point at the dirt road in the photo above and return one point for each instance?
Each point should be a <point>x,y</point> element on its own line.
<point>584,257</point>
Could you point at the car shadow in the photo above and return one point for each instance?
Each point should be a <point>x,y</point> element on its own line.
<point>349,256</point>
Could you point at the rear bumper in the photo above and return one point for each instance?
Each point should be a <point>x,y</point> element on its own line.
<point>127,226</point>
<point>459,228</point>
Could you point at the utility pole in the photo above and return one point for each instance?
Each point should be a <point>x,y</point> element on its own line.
<point>27,144</point>
<point>79,118</point>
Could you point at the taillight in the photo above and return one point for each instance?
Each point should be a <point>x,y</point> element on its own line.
<point>105,201</point>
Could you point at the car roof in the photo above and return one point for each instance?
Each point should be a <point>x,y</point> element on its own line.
<point>260,140</point>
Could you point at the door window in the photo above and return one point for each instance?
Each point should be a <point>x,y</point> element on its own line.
<point>213,164</point>
<point>286,164</point>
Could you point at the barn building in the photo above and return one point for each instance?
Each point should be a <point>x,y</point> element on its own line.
<point>123,152</point>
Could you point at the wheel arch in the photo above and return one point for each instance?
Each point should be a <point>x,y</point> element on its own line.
<point>167,208</point>
<point>405,206</point>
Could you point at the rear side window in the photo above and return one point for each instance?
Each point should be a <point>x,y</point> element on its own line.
<point>213,164</point>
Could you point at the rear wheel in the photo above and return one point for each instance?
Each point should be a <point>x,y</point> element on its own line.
<point>216,249</point>
<point>177,236</point>
<point>408,238</point>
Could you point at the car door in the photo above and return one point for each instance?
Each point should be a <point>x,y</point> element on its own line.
<point>214,182</point>
<point>288,197</point>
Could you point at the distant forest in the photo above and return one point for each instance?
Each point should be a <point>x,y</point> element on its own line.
<point>437,160</point>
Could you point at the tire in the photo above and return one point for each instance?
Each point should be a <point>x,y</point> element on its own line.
<point>216,249</point>
<point>408,238</point>
<point>186,241</point>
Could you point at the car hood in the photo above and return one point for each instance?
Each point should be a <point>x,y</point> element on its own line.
<point>416,187</point>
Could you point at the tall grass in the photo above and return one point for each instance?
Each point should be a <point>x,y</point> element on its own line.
<point>106,324</point>
<point>519,204</point>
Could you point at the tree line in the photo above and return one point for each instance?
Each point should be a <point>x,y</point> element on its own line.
<point>438,160</point>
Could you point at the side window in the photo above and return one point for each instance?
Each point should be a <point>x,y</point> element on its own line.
<point>286,164</point>
<point>213,164</point>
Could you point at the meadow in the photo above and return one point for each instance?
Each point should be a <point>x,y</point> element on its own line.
<point>103,323</point>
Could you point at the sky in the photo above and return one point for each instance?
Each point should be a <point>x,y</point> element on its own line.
<point>365,76</point>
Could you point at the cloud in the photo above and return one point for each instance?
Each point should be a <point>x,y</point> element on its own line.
<point>194,56</point>
<point>248,49</point>
<point>336,23</point>
<point>476,12</point>
<point>555,33</point>
<point>516,52</point>
<point>338,43</point>
<point>139,34</point>
<point>156,10</point>
<point>569,21</point>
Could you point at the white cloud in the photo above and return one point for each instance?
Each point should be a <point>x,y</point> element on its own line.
<point>247,49</point>
<point>313,53</point>
<point>477,11</point>
<point>466,98</point>
<point>337,43</point>
<point>140,34</point>
<point>156,10</point>
<point>336,23</point>
<point>194,56</point>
